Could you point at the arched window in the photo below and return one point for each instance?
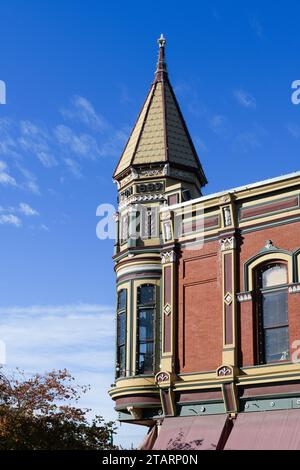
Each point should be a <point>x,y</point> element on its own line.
<point>272,313</point>
<point>121,333</point>
<point>146,308</point>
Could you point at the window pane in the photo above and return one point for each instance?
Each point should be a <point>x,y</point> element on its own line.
<point>275,308</point>
<point>122,299</point>
<point>146,324</point>
<point>124,228</point>
<point>274,275</point>
<point>145,358</point>
<point>121,328</point>
<point>146,295</point>
<point>121,361</point>
<point>277,344</point>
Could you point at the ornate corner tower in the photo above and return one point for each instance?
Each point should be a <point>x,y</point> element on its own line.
<point>158,168</point>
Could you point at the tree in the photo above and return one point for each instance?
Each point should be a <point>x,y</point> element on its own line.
<point>42,413</point>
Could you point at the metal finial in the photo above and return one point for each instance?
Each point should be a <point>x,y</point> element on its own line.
<point>161,41</point>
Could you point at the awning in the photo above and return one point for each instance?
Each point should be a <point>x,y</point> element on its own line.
<point>193,433</point>
<point>266,430</point>
<point>149,440</point>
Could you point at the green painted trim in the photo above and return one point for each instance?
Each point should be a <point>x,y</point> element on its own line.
<point>263,226</point>
<point>296,274</point>
<point>199,402</point>
<point>260,254</point>
<point>210,409</point>
<point>272,404</point>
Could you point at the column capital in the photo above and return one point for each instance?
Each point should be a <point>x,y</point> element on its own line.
<point>228,243</point>
<point>168,257</point>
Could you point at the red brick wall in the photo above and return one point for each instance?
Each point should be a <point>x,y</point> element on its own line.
<point>199,338</point>
<point>286,237</point>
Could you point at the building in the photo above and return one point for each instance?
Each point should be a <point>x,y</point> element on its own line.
<point>208,288</point>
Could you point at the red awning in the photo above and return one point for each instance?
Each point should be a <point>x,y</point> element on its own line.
<point>192,433</point>
<point>266,430</point>
<point>149,440</point>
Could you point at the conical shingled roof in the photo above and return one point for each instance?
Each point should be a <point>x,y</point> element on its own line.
<point>160,134</point>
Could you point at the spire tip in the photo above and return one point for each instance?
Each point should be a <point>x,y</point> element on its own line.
<point>161,41</point>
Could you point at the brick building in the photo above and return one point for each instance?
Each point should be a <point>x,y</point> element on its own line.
<point>208,288</point>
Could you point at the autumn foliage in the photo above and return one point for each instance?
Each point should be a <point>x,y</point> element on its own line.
<point>42,413</point>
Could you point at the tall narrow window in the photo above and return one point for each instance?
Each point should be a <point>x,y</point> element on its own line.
<point>145,328</point>
<point>124,228</point>
<point>272,313</point>
<point>121,333</point>
<point>149,222</point>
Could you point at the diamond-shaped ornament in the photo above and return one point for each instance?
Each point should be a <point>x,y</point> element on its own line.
<point>228,298</point>
<point>167,309</point>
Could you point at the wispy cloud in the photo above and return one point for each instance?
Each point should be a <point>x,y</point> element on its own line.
<point>10,219</point>
<point>83,145</point>
<point>82,110</point>
<point>73,167</point>
<point>245,99</point>
<point>88,136</point>
<point>30,181</point>
<point>5,178</point>
<point>27,210</point>
<point>36,140</point>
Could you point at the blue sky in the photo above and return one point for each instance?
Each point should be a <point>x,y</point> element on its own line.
<point>77,73</point>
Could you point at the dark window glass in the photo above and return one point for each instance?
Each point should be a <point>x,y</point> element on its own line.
<point>121,328</point>
<point>273,331</point>
<point>145,358</point>
<point>146,294</point>
<point>277,344</point>
<point>146,320</point>
<point>122,299</point>
<point>121,333</point>
<point>275,308</point>
<point>124,228</point>
<point>146,327</point>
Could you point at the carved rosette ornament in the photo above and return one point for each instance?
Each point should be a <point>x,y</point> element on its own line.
<point>225,199</point>
<point>168,257</point>
<point>228,244</point>
<point>224,371</point>
<point>162,377</point>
